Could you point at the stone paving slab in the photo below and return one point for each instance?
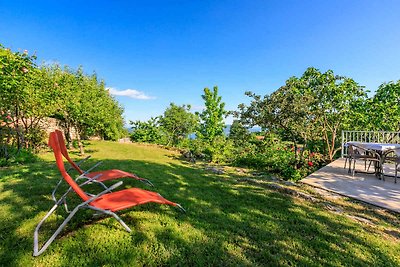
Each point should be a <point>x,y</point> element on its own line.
<point>361,186</point>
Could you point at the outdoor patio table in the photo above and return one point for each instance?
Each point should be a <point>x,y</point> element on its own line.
<point>381,148</point>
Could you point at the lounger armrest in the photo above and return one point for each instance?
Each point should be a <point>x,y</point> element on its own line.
<point>89,180</point>
<point>93,167</point>
<point>78,163</point>
<point>83,160</point>
<point>104,192</point>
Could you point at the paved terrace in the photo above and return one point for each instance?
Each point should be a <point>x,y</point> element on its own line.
<point>364,187</point>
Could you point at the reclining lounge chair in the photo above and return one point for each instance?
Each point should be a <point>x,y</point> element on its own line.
<point>106,202</point>
<point>98,176</point>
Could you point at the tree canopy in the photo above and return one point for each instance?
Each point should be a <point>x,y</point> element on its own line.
<point>212,118</point>
<point>384,111</point>
<point>178,122</point>
<point>312,108</point>
<point>29,93</point>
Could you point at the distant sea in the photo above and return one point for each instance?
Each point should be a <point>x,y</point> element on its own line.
<point>227,129</point>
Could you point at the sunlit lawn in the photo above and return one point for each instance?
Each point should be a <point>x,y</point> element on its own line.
<point>227,223</point>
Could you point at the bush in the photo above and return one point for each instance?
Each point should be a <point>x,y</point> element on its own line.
<point>35,138</point>
<point>148,132</point>
<point>219,150</point>
<point>22,156</point>
<point>279,157</point>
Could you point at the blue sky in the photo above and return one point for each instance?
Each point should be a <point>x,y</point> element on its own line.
<point>168,51</point>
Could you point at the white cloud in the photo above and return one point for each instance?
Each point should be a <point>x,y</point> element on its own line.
<point>132,93</point>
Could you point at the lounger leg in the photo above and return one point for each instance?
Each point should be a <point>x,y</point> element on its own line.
<point>36,251</point>
<point>121,222</point>
<point>36,233</point>
<point>145,181</point>
<point>53,194</point>
<point>115,216</point>
<point>181,208</point>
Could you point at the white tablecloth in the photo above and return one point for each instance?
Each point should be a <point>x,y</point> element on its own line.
<point>376,146</point>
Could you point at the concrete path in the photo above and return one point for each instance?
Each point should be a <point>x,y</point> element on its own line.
<point>364,187</point>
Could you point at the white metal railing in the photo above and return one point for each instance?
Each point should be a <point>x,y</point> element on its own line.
<point>369,137</point>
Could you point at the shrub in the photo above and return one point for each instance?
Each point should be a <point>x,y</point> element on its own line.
<point>219,150</point>
<point>22,156</point>
<point>278,157</point>
<point>147,131</point>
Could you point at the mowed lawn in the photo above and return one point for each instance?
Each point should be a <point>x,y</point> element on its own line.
<point>228,223</point>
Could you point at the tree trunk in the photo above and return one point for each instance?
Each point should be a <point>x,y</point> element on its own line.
<point>78,136</point>
<point>68,136</point>
<point>67,132</point>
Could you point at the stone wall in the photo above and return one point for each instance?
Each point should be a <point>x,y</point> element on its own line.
<point>51,124</point>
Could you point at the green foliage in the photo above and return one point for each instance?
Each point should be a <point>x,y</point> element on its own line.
<point>334,107</point>
<point>85,103</point>
<point>275,156</point>
<point>240,135</point>
<point>147,131</point>
<point>18,157</point>
<point>211,128</point>
<point>384,111</point>
<point>219,150</point>
<point>25,99</point>
<point>37,138</point>
<point>29,94</point>
<point>212,118</point>
<point>177,123</point>
<point>314,107</point>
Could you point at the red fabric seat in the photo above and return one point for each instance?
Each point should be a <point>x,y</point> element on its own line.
<point>110,175</point>
<point>128,198</point>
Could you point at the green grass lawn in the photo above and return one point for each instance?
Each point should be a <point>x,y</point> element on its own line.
<point>227,222</point>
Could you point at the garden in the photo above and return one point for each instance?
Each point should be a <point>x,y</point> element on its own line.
<point>245,213</point>
<point>229,221</point>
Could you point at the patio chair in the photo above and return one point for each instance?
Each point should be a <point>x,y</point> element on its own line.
<point>106,202</point>
<point>98,176</point>
<point>394,157</point>
<point>358,153</point>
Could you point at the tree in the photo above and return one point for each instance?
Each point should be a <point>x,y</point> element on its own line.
<point>285,112</point>
<point>309,109</point>
<point>26,97</point>
<point>147,131</point>
<point>85,104</point>
<point>239,134</point>
<point>29,93</point>
<point>178,122</point>
<point>384,112</point>
<point>336,102</point>
<point>212,118</point>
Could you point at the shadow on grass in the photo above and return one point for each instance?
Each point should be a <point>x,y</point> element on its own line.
<point>78,153</point>
<point>226,224</point>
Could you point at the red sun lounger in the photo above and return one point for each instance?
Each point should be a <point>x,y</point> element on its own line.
<point>97,177</point>
<point>106,202</point>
